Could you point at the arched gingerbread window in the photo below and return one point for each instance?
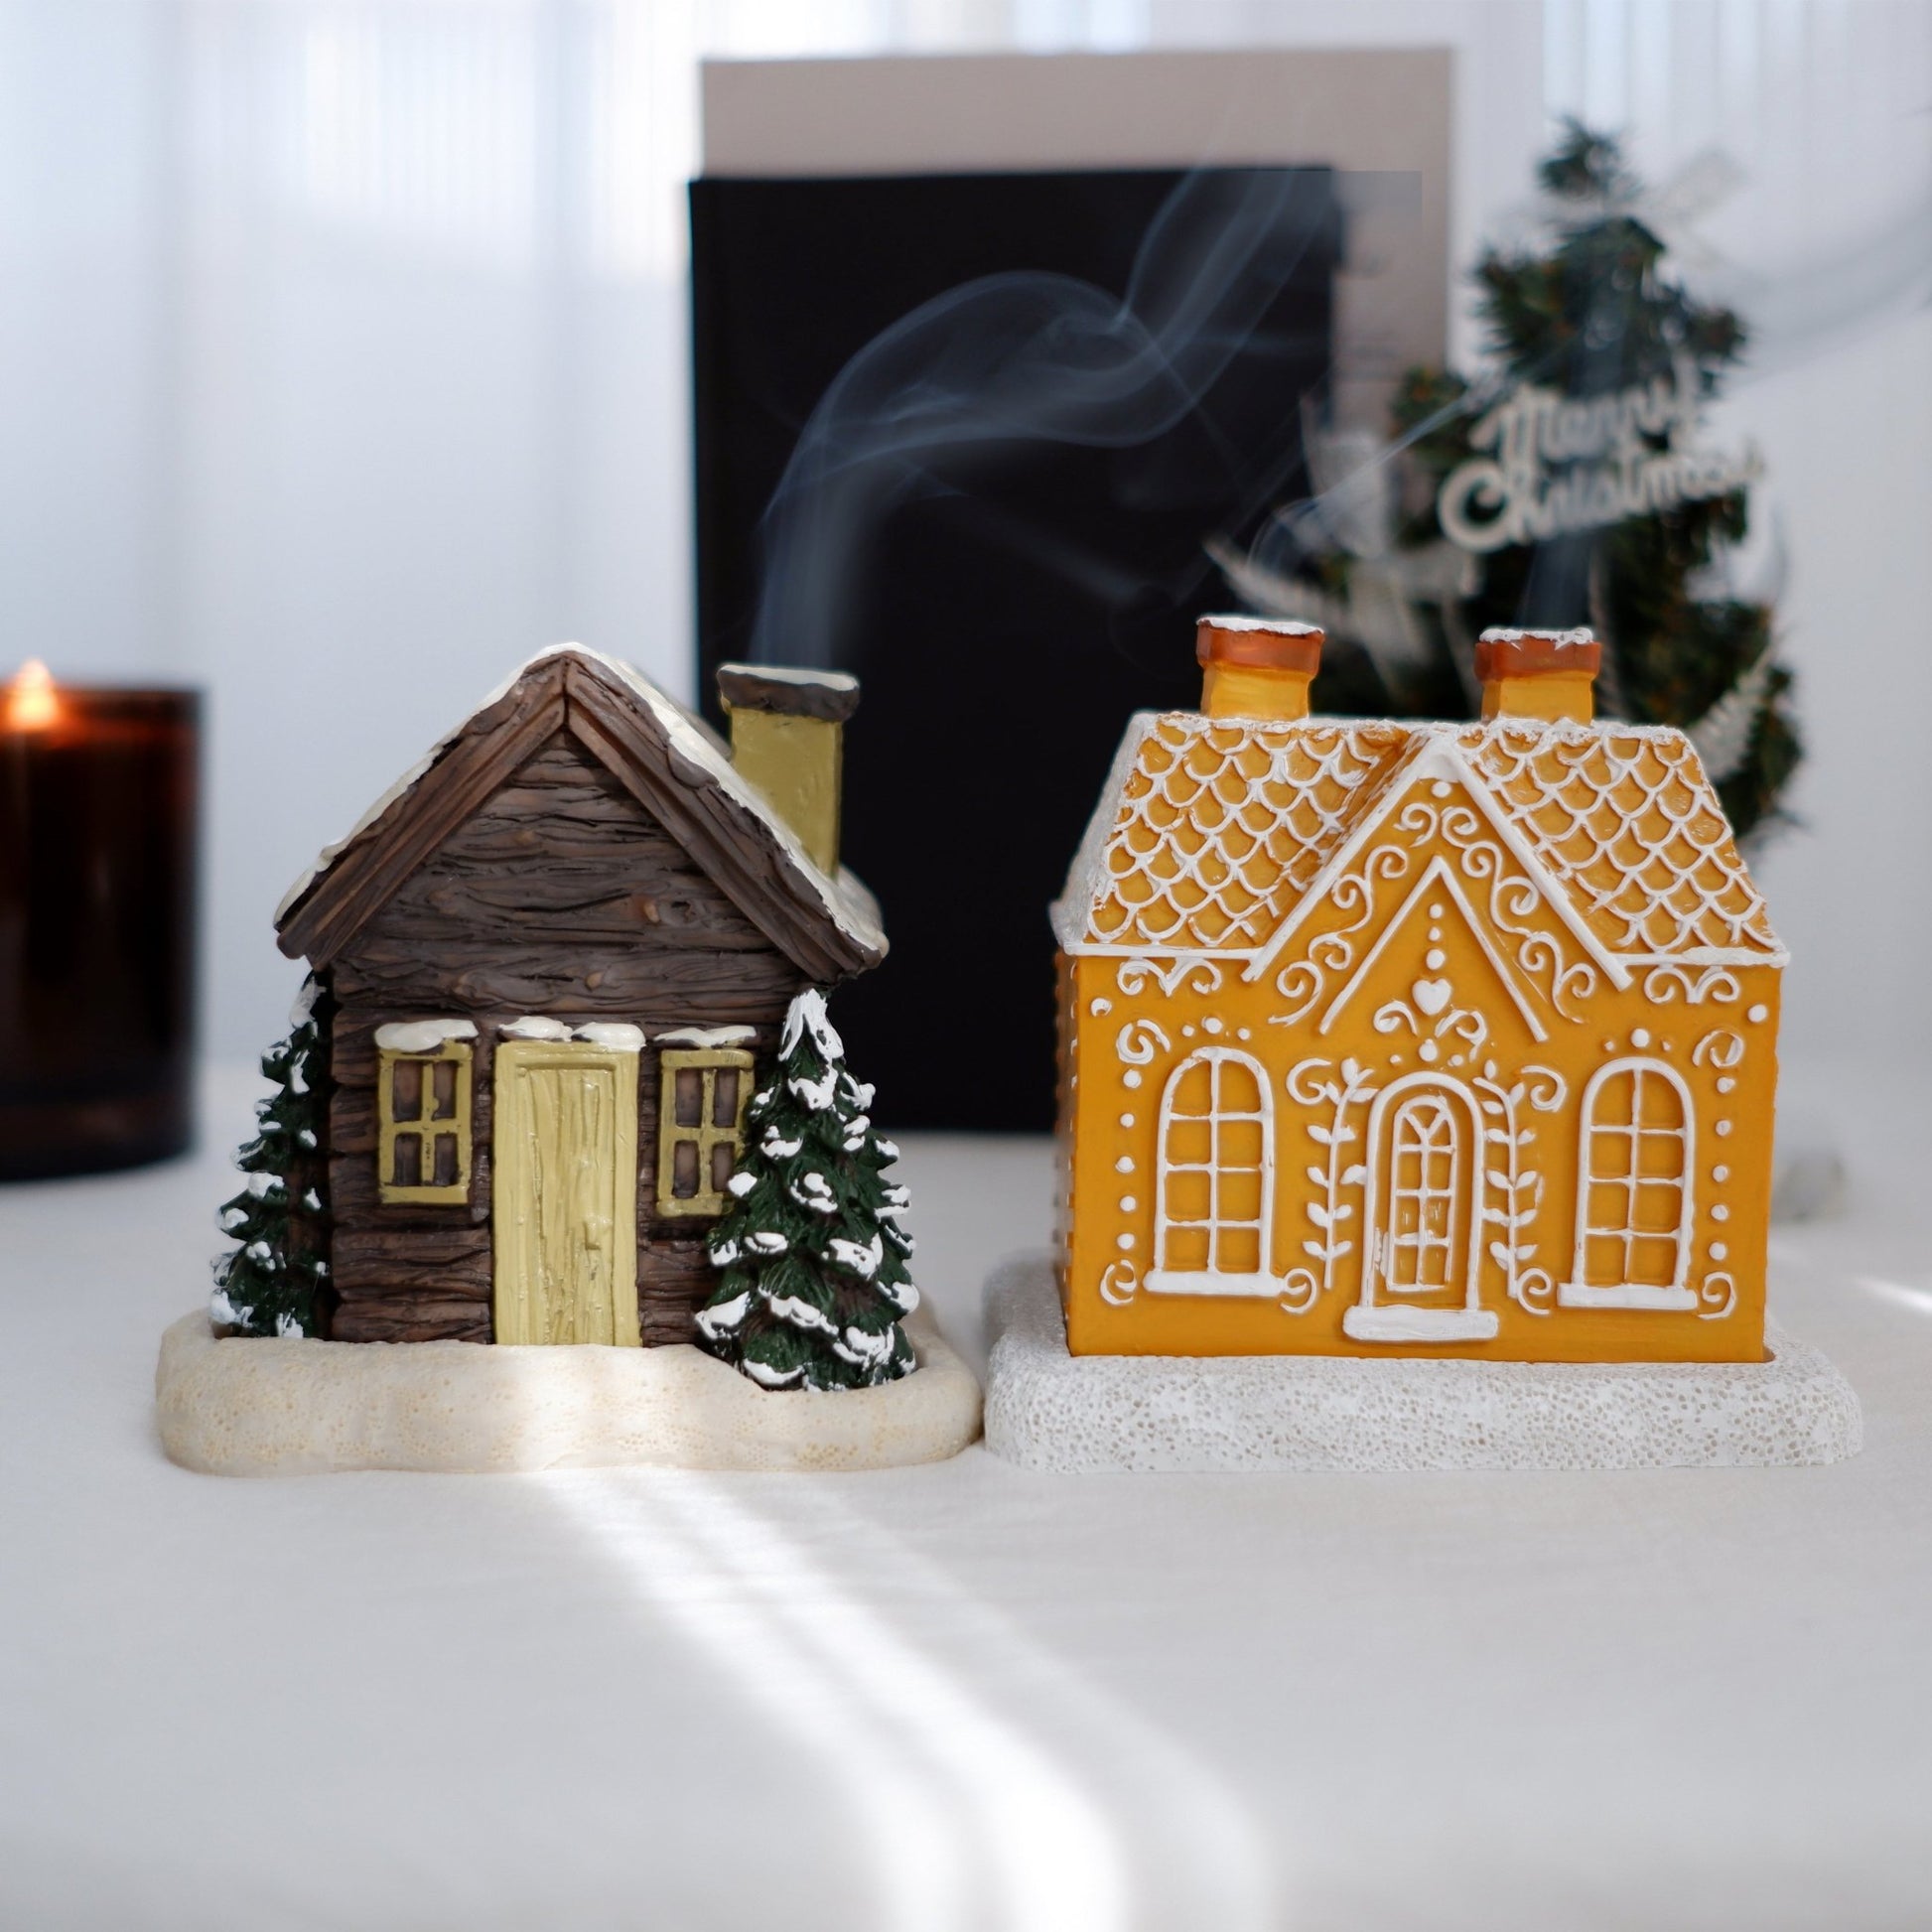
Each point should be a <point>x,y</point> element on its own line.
<point>1215,1189</point>
<point>1635,1167</point>
<point>1422,1209</point>
<point>1423,1241</point>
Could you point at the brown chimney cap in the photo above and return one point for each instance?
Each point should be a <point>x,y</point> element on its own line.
<point>1260,644</point>
<point>796,692</point>
<point>1506,651</point>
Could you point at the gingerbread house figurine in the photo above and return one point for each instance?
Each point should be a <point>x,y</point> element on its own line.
<point>548,964</point>
<point>1391,1038</point>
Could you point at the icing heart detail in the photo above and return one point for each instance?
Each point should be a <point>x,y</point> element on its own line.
<point>1430,996</point>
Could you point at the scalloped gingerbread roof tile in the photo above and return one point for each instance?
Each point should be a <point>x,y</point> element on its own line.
<point>1626,817</point>
<point>1211,830</point>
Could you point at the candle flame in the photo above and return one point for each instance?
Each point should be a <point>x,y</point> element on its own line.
<point>32,704</point>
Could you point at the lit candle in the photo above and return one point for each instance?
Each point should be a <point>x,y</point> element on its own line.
<point>97,850</point>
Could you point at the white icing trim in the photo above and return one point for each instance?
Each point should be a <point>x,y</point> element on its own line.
<point>1276,627</point>
<point>421,1036</point>
<point>1214,1059</point>
<point>1467,1170</point>
<point>534,1025</point>
<point>1502,633</point>
<point>1167,1281</point>
<point>1430,750</point>
<point>1637,1065</point>
<point>615,1036</point>
<point>1385,1323</point>
<point>1072,911</point>
<point>847,902</point>
<point>1643,962</point>
<point>1623,1295</point>
<point>707,1037</point>
<point>1439,758</point>
<point>1438,868</point>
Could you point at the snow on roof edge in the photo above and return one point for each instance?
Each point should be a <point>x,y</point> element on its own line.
<point>847,901</point>
<point>856,914</point>
<point>1071,913</point>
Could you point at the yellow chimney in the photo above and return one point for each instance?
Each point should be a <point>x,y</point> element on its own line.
<point>787,740</point>
<point>1256,668</point>
<point>1548,674</point>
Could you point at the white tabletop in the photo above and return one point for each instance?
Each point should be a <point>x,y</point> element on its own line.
<point>951,1698</point>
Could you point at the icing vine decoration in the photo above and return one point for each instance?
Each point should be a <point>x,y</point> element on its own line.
<point>1717,1297</point>
<point>1135,1042</point>
<point>1349,1090</point>
<point>1118,1280</point>
<point>1511,900</point>
<point>1433,997</point>
<point>1520,1187</point>
<point>1663,984</point>
<point>1721,1047</point>
<point>1132,975</point>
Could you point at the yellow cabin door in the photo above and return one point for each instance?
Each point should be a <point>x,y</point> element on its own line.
<point>564,1196</point>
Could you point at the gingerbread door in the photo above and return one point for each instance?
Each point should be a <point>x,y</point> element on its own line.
<point>1425,1216</point>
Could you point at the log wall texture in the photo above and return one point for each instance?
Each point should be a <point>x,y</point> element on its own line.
<point>559,895</point>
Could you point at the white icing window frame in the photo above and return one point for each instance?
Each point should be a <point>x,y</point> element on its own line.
<point>1420,1115</point>
<point>1162,1280</point>
<point>1578,1291</point>
<point>1375,1319</point>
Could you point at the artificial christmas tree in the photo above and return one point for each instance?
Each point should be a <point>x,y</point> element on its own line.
<point>1638,551</point>
<point>1566,486</point>
<point>812,1256</point>
<point>275,1281</point>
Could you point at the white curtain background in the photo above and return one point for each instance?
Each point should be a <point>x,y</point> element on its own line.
<point>343,364</point>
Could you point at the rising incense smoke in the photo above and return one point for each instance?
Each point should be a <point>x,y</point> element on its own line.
<point>1024,358</point>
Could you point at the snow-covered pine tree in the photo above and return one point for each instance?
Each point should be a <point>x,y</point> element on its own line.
<point>269,1283</point>
<point>811,1255</point>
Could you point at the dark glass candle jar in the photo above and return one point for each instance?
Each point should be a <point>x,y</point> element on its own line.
<point>97,859</point>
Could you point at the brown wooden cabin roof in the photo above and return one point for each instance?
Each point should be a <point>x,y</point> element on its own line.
<point>672,764</point>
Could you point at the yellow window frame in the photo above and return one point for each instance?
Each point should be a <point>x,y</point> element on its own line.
<point>710,1062</point>
<point>424,1127</point>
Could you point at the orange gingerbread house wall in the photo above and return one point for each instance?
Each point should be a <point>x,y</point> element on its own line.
<point>1415,1041</point>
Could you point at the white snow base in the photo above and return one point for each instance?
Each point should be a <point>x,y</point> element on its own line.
<point>241,1406</point>
<point>1048,1410</point>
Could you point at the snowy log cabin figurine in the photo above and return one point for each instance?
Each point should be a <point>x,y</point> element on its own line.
<point>1393,1038</point>
<point>546,969</point>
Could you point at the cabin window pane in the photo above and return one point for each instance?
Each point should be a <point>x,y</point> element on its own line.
<point>406,1090</point>
<point>423,1125</point>
<point>407,1171</point>
<point>684,1169</point>
<point>701,1127</point>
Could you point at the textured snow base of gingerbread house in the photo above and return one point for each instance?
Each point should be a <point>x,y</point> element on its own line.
<point>1048,1410</point>
<point>249,1407</point>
